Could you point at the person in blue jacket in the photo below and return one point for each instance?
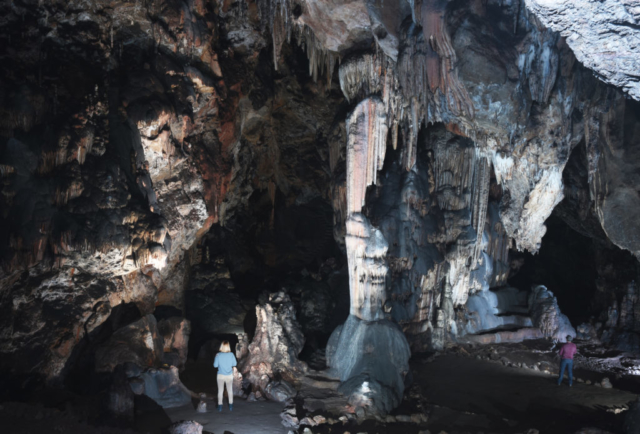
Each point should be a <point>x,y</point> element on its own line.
<point>225,361</point>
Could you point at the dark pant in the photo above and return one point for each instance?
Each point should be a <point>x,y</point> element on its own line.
<point>566,363</point>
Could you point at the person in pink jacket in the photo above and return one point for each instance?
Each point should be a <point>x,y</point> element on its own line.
<point>566,353</point>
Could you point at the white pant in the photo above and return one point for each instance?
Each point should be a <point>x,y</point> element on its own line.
<point>222,381</point>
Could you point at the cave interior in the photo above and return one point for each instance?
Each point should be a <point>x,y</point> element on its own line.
<point>395,212</point>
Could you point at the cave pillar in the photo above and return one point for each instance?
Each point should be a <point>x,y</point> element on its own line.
<point>366,246</point>
<point>369,353</point>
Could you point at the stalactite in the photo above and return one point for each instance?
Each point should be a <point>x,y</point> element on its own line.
<point>320,59</point>
<point>276,15</point>
<point>480,202</point>
<point>366,147</point>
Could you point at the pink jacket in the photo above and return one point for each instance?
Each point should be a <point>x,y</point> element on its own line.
<point>568,350</point>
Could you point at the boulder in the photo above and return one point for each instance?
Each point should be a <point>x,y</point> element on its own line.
<point>279,391</point>
<point>165,388</point>
<point>186,427</point>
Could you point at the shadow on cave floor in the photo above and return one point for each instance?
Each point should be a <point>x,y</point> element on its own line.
<point>510,400</point>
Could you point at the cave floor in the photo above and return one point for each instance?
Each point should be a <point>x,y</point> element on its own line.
<point>260,417</point>
<point>460,393</point>
<point>470,395</point>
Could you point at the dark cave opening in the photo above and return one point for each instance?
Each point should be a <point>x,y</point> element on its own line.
<point>576,261</point>
<point>566,265</point>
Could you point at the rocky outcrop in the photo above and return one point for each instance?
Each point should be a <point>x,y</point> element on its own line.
<point>186,427</point>
<point>622,327</point>
<point>163,386</point>
<point>603,36</point>
<point>277,342</point>
<point>45,314</point>
<point>175,336</point>
<point>546,316</point>
<point>139,343</point>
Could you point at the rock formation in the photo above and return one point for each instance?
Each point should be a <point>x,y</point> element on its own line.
<point>368,353</point>
<point>278,340</point>
<point>139,343</point>
<point>175,336</point>
<point>546,315</point>
<point>163,386</point>
<point>588,26</point>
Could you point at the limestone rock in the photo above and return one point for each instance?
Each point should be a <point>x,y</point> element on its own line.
<point>186,427</point>
<point>546,315</point>
<point>354,353</point>
<point>588,25</point>
<point>164,387</point>
<point>139,343</point>
<point>279,391</point>
<point>276,344</point>
<point>175,333</point>
<point>212,303</point>
<point>46,314</point>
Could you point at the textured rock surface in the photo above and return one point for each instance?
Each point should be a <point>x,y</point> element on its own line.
<point>212,303</point>
<point>175,336</point>
<point>275,347</point>
<point>545,313</point>
<point>371,358</point>
<point>279,391</point>
<point>186,427</point>
<point>44,315</point>
<point>604,36</point>
<point>165,388</point>
<point>139,343</point>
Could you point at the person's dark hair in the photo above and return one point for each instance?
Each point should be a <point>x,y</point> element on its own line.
<point>569,338</point>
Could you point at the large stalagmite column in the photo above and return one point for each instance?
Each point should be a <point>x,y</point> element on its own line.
<point>366,246</point>
<point>369,353</point>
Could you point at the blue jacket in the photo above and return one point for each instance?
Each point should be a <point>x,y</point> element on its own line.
<point>225,363</point>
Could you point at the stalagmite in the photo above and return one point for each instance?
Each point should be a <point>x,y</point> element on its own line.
<point>369,353</point>
<point>366,252</point>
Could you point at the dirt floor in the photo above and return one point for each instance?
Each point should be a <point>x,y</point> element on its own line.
<point>498,398</point>
<point>508,388</point>
<point>261,417</point>
<point>246,418</point>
